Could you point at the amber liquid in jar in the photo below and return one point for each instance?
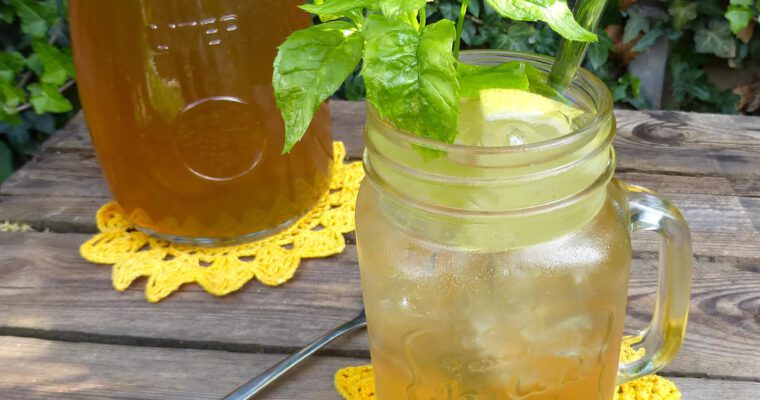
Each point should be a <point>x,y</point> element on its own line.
<point>179,101</point>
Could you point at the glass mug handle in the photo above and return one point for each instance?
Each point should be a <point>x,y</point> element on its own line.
<point>662,339</point>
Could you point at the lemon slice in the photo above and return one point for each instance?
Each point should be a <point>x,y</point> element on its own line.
<point>549,117</point>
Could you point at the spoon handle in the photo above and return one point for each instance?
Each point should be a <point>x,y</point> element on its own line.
<point>257,384</point>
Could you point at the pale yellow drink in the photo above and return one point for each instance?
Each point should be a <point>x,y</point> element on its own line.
<point>497,268</point>
<point>539,318</point>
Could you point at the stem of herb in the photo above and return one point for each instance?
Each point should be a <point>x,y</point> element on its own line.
<point>460,26</point>
<point>423,17</point>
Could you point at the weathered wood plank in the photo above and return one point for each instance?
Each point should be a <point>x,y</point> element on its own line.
<point>48,291</point>
<point>40,369</point>
<point>722,226</point>
<point>36,369</point>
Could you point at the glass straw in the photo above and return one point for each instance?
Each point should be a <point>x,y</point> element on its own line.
<point>571,53</point>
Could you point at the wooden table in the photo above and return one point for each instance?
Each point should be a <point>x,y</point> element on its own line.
<point>65,333</point>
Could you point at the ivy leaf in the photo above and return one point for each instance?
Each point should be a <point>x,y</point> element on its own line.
<point>411,76</point>
<point>474,8</point>
<point>683,12</point>
<point>717,39</point>
<point>7,13</point>
<point>395,8</point>
<point>518,37</point>
<point>556,13</point>
<point>709,8</point>
<point>648,39</point>
<point>11,63</point>
<point>599,52</point>
<point>46,98</point>
<point>739,16</point>
<point>310,66</point>
<point>57,66</point>
<point>36,16</point>
<point>6,162</point>
<point>12,97</point>
<point>636,23</point>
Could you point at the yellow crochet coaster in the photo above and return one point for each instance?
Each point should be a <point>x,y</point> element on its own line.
<point>358,383</point>
<point>223,270</point>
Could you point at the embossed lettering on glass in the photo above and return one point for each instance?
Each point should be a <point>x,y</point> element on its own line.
<point>180,105</point>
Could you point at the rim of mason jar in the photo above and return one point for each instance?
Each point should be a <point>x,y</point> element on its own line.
<point>600,94</point>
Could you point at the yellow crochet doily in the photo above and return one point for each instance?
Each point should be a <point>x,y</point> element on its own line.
<point>223,270</point>
<point>358,383</point>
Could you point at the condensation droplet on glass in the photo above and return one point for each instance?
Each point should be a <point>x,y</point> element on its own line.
<point>215,42</point>
<point>228,18</point>
<point>172,26</point>
<point>232,28</point>
<point>212,31</point>
<point>208,21</point>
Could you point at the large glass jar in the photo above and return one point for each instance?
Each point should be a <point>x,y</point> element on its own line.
<point>179,102</point>
<point>502,273</point>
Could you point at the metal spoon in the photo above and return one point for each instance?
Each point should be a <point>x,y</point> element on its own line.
<point>257,384</point>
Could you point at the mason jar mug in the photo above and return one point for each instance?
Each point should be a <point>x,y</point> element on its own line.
<point>179,101</point>
<point>502,272</point>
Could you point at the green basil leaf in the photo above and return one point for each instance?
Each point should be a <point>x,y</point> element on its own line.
<point>395,8</point>
<point>538,84</point>
<point>329,10</point>
<point>310,66</point>
<point>411,76</point>
<point>474,78</point>
<point>556,13</point>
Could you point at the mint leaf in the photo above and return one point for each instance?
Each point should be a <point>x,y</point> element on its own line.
<point>739,16</point>
<point>11,63</point>
<point>36,16</point>
<point>683,12</point>
<point>556,13</point>
<point>411,76</point>
<point>329,10</point>
<point>395,8</point>
<point>56,65</point>
<point>310,66</point>
<point>46,98</point>
<point>717,39</point>
<point>474,78</point>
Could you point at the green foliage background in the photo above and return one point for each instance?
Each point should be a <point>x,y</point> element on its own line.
<point>700,32</point>
<point>36,70</point>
